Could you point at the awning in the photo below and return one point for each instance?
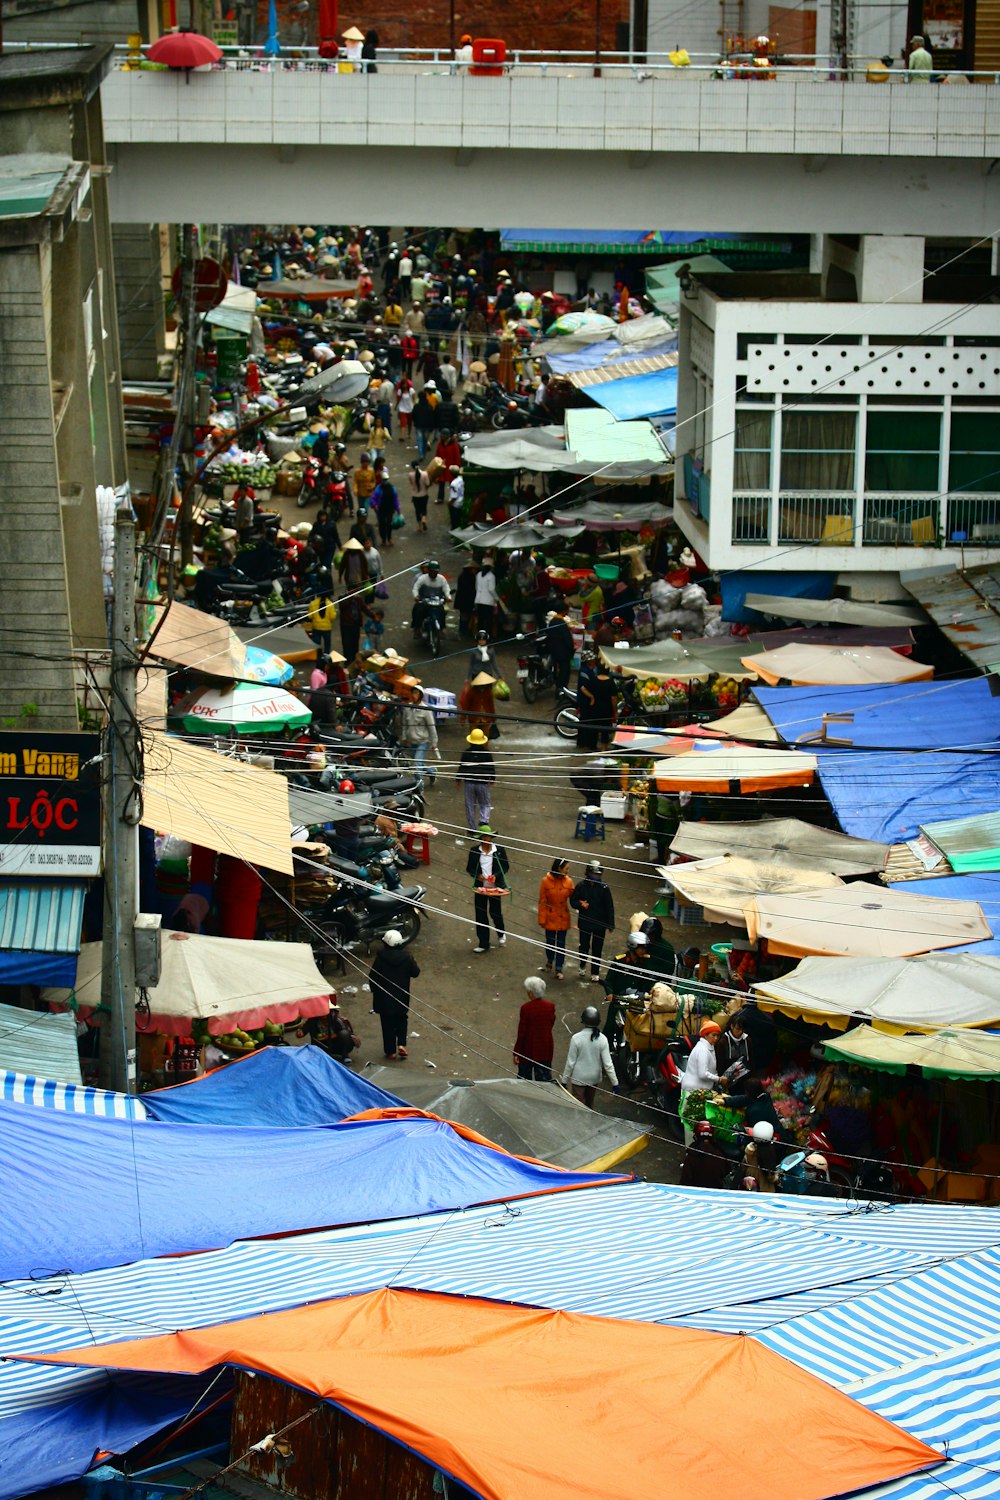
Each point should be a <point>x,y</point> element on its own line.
<point>229,983</point>
<point>965,605</point>
<point>71,1098</point>
<point>723,885</point>
<point>835,611</point>
<point>888,796</point>
<point>609,515</point>
<point>40,927</point>
<point>599,438</point>
<point>628,241</point>
<point>218,802</point>
<point>190,638</point>
<point>313,809</point>
<point>748,722</point>
<point>658,359</point>
<point>37,1043</point>
<point>938,1054</point>
<point>863,921</point>
<point>836,666</point>
<point>982,888</point>
<point>275,1086</point>
<point>957,714</point>
<point>650,395</point>
<point>547,450</point>
<point>526,1118</point>
<point>236,310</point>
<point>782,841</point>
<point>720,766</point>
<point>510,536</point>
<point>487,1371</point>
<point>670,658</point>
<point>972,845</point>
<point>897,994</point>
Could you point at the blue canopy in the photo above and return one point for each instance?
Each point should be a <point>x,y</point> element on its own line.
<point>276,1086</point>
<point>652,395</point>
<point>955,715</point>
<point>735,586</point>
<point>92,1192</point>
<point>622,241</point>
<point>982,888</point>
<point>886,796</point>
<point>605,354</point>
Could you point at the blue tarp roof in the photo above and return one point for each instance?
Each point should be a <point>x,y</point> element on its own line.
<point>778,1263</point>
<point>886,796</point>
<point>654,239</point>
<point>40,927</point>
<point>276,1086</point>
<point>956,715</point>
<point>982,888</point>
<point>735,586</point>
<point>605,354</point>
<point>636,396</point>
<point>97,1192</point>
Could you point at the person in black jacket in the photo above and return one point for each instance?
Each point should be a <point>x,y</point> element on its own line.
<point>593,902</point>
<point>477,772</point>
<point>557,642</point>
<point>488,866</point>
<point>389,978</point>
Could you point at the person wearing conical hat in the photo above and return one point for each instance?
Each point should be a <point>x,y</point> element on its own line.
<point>476,702</point>
<point>476,774</point>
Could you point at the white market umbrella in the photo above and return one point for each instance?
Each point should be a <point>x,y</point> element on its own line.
<point>723,886</point>
<point>923,993</point>
<point>242,707</point>
<point>864,921</point>
<point>782,841</point>
<point>841,666</point>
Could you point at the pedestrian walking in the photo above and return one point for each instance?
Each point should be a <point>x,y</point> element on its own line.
<point>322,613</point>
<point>477,772</point>
<point>595,908</point>
<point>488,866</point>
<point>385,501</point>
<point>369,51</point>
<point>418,732</point>
<point>482,657</point>
<point>920,63</point>
<point>487,599</point>
<point>424,422</point>
<point>405,274</point>
<point>554,895</point>
<point>420,488</point>
<point>588,1059</point>
<point>405,402</point>
<point>389,977</point>
<point>533,1047</point>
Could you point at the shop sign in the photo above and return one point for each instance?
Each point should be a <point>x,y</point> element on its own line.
<point>50,805</point>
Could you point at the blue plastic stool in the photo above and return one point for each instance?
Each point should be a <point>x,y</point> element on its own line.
<point>589,824</point>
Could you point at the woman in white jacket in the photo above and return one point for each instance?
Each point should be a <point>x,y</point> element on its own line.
<point>589,1057</point>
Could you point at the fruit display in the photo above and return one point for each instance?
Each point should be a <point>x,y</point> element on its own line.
<point>663,692</point>
<point>726,692</point>
<point>236,465</point>
<point>238,1040</point>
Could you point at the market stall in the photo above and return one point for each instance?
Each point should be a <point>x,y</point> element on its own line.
<point>863,921</point>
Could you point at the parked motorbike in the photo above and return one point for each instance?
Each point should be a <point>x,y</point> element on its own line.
<point>567,716</point>
<point>535,673</point>
<point>353,916</point>
<point>873,1181</point>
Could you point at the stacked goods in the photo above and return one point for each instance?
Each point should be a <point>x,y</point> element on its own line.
<point>682,609</point>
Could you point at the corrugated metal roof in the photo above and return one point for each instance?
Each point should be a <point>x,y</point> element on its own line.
<point>965,605</point>
<point>620,371</point>
<point>971,844</point>
<point>38,1043</point>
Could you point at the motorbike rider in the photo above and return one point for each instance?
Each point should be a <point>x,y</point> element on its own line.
<point>759,1171</point>
<point>556,642</point>
<point>705,1163</point>
<point>482,658</point>
<point>431,590</point>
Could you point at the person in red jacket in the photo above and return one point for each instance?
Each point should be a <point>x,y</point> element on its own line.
<point>534,1046</point>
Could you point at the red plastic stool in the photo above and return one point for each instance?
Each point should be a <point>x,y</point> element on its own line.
<point>424,852</point>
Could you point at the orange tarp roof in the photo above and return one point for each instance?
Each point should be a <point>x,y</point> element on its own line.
<point>517,1403</point>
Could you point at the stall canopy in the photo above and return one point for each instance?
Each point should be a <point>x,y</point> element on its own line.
<point>960,714</point>
<point>621,241</point>
<point>600,438</point>
<point>226,982</point>
<point>724,884</point>
<point>72,1098</point>
<point>108,1192</point>
<point>673,659</point>
<point>722,766</point>
<point>938,1054</point>
<point>510,536</point>
<point>782,841</point>
<point>607,515</point>
<point>863,921</point>
<point>984,889</point>
<point>215,801</point>
<point>972,845</point>
<point>546,450</point>
<point>186,637</point>
<point>888,796</point>
<point>240,708</point>
<point>965,605</point>
<point>662,286</point>
<point>40,929</point>
<point>487,1371</point>
<point>748,722</point>
<point>896,994</point>
<point>528,1119</point>
<point>277,1086</point>
<point>236,310</point>
<point>836,666</point>
<point>653,394</point>
<point>836,611</point>
<point>35,1042</point>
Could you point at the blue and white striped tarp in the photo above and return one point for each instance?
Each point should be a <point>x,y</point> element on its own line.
<point>74,1098</point>
<point>635,1250</point>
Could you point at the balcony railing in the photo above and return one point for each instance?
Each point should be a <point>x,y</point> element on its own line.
<point>952,520</point>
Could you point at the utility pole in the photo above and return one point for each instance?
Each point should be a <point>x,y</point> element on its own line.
<point>121,825</point>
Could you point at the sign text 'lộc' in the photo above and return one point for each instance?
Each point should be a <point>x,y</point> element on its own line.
<point>50,805</point>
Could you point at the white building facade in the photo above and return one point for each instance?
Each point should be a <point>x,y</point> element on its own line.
<point>839,436</point>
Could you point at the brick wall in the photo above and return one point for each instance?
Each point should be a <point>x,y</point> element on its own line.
<point>426,22</point>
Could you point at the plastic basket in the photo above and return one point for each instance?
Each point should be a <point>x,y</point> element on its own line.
<point>607,572</point>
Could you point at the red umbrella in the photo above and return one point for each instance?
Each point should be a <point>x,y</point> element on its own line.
<point>184,49</point>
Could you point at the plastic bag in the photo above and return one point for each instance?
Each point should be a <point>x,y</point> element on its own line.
<point>501,690</point>
<point>381,592</point>
<point>398,521</point>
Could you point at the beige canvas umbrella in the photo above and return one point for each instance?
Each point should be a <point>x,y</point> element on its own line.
<point>723,886</point>
<point>782,841</point>
<point>863,921</point>
<point>716,765</point>
<point>896,994</point>
<point>840,666</point>
<point>938,1054</point>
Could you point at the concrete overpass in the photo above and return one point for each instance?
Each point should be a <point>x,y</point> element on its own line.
<point>554,146</point>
